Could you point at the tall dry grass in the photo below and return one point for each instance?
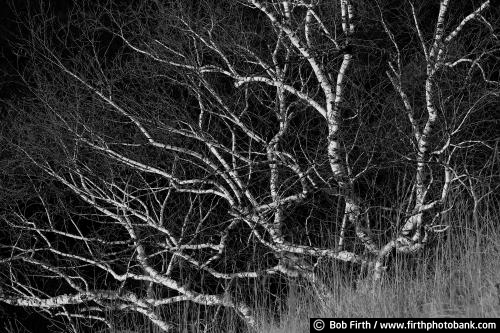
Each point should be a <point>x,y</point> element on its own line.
<point>458,276</point>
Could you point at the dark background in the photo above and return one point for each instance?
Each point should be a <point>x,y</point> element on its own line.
<point>12,88</point>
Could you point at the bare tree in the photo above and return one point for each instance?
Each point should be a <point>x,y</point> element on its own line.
<point>187,139</point>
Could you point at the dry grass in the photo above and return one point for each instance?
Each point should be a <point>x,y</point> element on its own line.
<point>459,278</point>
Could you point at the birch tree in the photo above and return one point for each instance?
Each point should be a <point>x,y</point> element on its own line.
<point>189,140</point>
